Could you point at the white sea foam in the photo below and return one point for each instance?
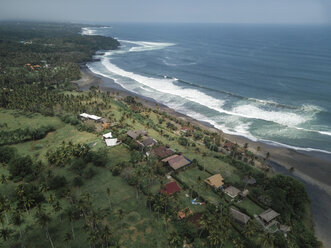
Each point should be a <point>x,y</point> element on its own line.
<point>280,117</point>
<point>166,86</point>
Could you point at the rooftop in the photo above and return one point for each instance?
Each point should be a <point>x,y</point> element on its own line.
<point>171,188</point>
<point>268,215</point>
<point>232,191</point>
<point>107,135</point>
<point>239,216</point>
<point>215,180</point>
<point>163,152</point>
<point>93,117</point>
<point>178,162</point>
<point>136,134</point>
<point>111,142</point>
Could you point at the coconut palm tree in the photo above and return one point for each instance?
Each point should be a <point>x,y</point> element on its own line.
<point>174,240</point>
<point>5,234</point>
<point>17,221</point>
<point>67,239</point>
<point>267,240</point>
<point>43,220</point>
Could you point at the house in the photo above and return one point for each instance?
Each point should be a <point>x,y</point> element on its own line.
<point>111,142</point>
<point>171,188</point>
<point>147,142</point>
<point>239,217</point>
<point>91,117</point>
<point>163,152</point>
<point>232,191</point>
<point>268,215</point>
<point>215,181</point>
<point>249,180</point>
<point>184,213</point>
<point>107,135</point>
<point>177,161</point>
<point>244,193</point>
<point>136,134</point>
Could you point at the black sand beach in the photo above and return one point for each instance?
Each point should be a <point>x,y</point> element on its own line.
<point>312,168</point>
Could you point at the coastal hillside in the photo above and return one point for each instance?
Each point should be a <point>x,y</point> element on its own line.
<point>102,168</point>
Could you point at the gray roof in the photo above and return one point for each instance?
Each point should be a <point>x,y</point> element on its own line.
<point>135,134</point>
<point>239,216</point>
<point>249,180</point>
<point>149,141</point>
<point>232,191</point>
<point>268,215</point>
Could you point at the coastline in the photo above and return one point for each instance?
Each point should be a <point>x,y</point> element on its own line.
<point>311,168</point>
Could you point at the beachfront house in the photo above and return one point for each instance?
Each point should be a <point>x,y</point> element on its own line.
<point>176,161</point>
<point>232,191</point>
<point>112,142</point>
<point>162,152</point>
<point>239,217</point>
<point>268,216</point>
<point>147,142</point>
<point>107,136</point>
<point>215,181</point>
<point>85,116</point>
<point>136,134</point>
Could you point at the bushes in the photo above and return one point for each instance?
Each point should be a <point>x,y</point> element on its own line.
<point>26,134</point>
<point>57,182</point>
<point>20,167</point>
<point>6,154</point>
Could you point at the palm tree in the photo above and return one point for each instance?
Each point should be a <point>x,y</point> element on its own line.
<point>67,239</point>
<point>174,240</point>
<point>3,179</point>
<point>120,214</point>
<point>17,221</point>
<point>267,240</point>
<point>108,196</point>
<point>5,234</point>
<point>71,217</point>
<point>43,220</point>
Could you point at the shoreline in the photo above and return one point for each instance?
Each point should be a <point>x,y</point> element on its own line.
<point>311,168</point>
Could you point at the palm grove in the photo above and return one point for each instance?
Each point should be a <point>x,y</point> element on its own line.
<point>49,196</point>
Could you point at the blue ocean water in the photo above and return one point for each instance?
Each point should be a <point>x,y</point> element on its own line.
<point>265,82</point>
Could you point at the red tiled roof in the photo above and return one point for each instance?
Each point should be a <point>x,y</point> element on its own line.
<point>171,188</point>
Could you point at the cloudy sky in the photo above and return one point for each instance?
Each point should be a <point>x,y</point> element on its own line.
<point>223,11</point>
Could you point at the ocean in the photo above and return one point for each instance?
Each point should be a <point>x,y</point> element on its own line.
<point>270,83</point>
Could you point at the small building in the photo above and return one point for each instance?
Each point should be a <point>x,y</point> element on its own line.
<point>268,215</point>
<point>91,117</point>
<point>107,135</point>
<point>177,161</point>
<point>171,188</point>
<point>215,181</point>
<point>284,229</point>
<point>244,193</point>
<point>163,152</point>
<point>186,212</point>
<point>249,180</point>
<point>232,191</point>
<point>136,134</point>
<point>147,142</point>
<point>239,217</point>
<point>112,142</point>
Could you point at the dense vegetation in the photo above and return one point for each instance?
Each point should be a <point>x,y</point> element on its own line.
<point>65,189</point>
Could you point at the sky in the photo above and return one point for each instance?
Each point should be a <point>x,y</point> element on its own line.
<point>194,11</point>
